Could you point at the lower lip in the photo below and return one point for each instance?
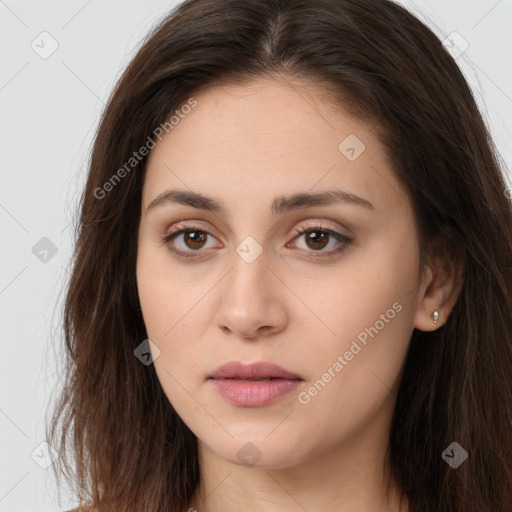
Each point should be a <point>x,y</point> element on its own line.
<point>255,393</point>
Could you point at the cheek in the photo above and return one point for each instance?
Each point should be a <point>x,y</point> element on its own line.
<point>168,296</point>
<point>165,304</point>
<point>351,296</point>
<point>172,312</point>
<point>367,310</point>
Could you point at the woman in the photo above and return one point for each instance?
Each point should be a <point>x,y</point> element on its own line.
<point>292,280</point>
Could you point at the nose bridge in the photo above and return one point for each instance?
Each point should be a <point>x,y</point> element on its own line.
<point>248,301</point>
<point>249,268</point>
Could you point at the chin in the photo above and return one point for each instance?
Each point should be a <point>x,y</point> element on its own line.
<point>258,450</point>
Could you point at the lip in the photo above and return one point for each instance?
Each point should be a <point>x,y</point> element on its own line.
<point>244,385</point>
<point>257,370</point>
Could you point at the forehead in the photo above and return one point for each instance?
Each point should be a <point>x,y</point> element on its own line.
<point>268,137</point>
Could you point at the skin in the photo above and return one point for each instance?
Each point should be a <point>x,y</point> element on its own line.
<point>245,146</point>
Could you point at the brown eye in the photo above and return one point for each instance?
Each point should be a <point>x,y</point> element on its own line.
<point>317,239</point>
<point>192,242</point>
<point>188,242</point>
<point>194,239</point>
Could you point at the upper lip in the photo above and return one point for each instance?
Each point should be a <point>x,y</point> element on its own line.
<point>257,370</point>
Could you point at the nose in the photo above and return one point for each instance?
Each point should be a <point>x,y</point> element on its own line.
<point>253,302</point>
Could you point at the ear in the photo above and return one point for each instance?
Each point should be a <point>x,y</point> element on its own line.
<point>440,288</point>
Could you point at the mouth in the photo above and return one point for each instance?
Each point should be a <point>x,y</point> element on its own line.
<point>256,380</point>
<point>260,370</point>
<point>253,385</point>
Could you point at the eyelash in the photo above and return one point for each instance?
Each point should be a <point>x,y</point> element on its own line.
<point>345,241</point>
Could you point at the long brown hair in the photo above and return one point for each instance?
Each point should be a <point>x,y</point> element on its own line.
<point>121,444</point>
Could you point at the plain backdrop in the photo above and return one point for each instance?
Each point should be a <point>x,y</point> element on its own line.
<point>59,61</point>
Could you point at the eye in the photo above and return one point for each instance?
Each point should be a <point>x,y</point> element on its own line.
<point>193,239</point>
<point>317,238</point>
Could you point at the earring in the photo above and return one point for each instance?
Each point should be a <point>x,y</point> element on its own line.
<point>435,316</point>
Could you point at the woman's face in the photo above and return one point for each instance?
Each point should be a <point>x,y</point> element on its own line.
<point>334,306</point>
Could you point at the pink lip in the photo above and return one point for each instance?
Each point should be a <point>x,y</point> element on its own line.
<point>242,385</point>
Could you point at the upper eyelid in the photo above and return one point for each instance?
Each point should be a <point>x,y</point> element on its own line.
<point>301,225</point>
<point>184,229</point>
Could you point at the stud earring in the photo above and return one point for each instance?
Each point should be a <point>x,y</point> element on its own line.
<point>435,316</point>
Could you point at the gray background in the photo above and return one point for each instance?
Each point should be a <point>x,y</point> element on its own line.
<point>49,109</point>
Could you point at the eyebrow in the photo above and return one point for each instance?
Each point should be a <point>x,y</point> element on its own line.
<point>280,205</point>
